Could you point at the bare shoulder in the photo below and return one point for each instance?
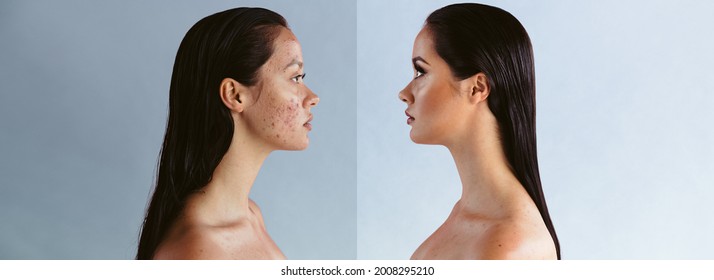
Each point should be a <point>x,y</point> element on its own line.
<point>517,239</point>
<point>194,244</point>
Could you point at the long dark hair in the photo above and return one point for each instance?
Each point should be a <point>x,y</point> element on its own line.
<point>229,44</point>
<point>474,38</point>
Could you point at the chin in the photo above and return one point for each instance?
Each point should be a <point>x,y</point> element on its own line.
<point>416,137</point>
<point>421,138</point>
<point>296,146</point>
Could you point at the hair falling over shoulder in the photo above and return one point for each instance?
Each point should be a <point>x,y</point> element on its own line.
<point>474,38</point>
<point>230,44</point>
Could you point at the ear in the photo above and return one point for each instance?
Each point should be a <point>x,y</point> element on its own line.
<point>476,88</point>
<point>233,95</point>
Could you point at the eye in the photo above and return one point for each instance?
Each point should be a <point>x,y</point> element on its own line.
<point>297,79</point>
<point>418,71</point>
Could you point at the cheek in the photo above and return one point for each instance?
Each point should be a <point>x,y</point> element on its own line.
<point>290,114</point>
<point>436,108</point>
<point>431,99</point>
<point>283,119</point>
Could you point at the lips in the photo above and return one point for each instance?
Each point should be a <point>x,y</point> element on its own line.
<point>307,123</point>
<point>410,119</point>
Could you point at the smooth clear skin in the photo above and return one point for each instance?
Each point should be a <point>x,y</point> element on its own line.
<point>495,218</point>
<point>220,221</point>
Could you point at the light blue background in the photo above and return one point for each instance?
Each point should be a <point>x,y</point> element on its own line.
<point>625,115</point>
<point>624,128</point>
<point>83,103</point>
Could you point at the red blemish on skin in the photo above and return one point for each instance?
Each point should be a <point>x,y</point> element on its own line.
<point>290,113</point>
<point>264,127</point>
<point>278,135</point>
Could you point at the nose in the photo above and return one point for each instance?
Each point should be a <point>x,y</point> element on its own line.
<point>406,96</point>
<point>311,100</point>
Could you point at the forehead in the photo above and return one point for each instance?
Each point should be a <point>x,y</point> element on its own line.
<point>423,44</point>
<point>286,48</point>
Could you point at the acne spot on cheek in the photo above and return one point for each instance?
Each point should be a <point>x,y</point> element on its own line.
<point>290,114</point>
<point>282,120</point>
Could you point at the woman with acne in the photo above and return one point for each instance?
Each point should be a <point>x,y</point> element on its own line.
<point>236,95</point>
<point>474,92</point>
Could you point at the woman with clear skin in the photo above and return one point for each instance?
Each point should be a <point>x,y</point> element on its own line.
<point>474,92</point>
<point>237,94</point>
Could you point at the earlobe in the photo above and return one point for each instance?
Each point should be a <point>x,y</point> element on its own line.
<point>231,94</point>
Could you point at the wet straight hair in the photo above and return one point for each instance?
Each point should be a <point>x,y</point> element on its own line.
<point>229,44</point>
<point>475,38</point>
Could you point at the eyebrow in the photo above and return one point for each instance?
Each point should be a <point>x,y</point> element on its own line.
<point>294,62</point>
<point>419,58</point>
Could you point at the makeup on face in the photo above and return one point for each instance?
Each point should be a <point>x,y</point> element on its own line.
<point>410,119</point>
<point>431,95</point>
<point>418,73</point>
<point>418,70</point>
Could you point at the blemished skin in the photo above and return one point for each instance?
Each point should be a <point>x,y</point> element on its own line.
<point>220,221</point>
<point>495,218</point>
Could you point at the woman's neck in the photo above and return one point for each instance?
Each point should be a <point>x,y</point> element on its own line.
<point>488,183</point>
<point>225,199</point>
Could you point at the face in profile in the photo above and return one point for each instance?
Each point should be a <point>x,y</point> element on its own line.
<point>435,109</point>
<point>281,113</point>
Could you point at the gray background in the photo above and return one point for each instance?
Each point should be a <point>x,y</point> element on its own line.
<point>624,128</point>
<point>625,117</point>
<point>83,102</point>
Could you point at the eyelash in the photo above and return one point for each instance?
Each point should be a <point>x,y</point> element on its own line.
<point>419,72</point>
<point>298,77</point>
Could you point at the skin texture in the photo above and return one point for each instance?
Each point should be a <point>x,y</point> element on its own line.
<point>278,112</point>
<point>494,218</point>
<point>220,221</point>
